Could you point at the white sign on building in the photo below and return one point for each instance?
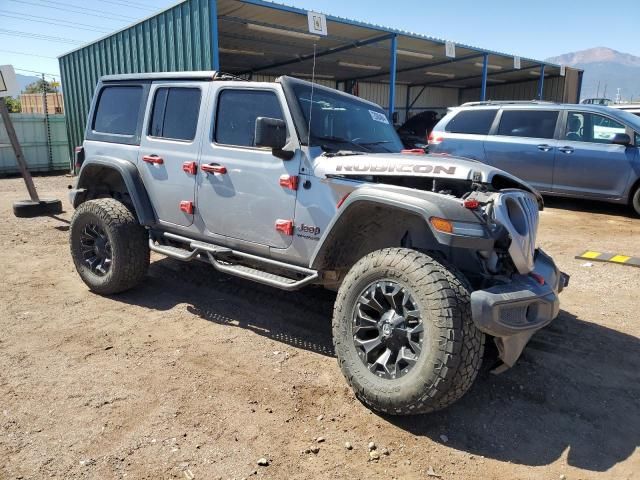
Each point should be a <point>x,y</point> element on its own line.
<point>516,63</point>
<point>450,49</point>
<point>317,23</point>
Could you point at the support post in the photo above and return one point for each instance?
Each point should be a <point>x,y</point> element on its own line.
<point>17,149</point>
<point>541,83</point>
<point>485,71</point>
<point>215,52</point>
<point>407,103</point>
<point>392,76</point>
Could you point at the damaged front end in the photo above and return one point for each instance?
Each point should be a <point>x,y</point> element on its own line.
<point>516,285</point>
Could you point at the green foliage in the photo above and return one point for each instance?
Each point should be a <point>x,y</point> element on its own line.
<point>40,86</point>
<point>13,105</point>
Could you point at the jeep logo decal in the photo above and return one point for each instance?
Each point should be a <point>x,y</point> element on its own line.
<point>403,168</point>
<point>311,229</point>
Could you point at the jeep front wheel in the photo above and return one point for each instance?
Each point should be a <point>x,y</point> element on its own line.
<point>109,247</point>
<point>403,332</point>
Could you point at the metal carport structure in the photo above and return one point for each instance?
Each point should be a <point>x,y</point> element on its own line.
<point>257,39</point>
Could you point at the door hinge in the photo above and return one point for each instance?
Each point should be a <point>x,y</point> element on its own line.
<point>187,207</point>
<point>190,167</point>
<point>289,181</point>
<point>284,226</point>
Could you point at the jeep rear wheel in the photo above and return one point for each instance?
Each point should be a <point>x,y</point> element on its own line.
<point>108,246</point>
<point>635,201</point>
<point>403,332</point>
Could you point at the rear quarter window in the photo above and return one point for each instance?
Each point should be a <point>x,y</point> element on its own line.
<point>477,122</point>
<point>117,110</point>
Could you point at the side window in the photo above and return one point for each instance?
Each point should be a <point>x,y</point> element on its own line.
<point>237,113</point>
<point>117,110</point>
<point>528,123</point>
<point>476,122</point>
<point>591,127</point>
<point>175,113</point>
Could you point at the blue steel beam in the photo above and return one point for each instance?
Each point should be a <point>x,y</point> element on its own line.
<point>392,78</point>
<point>485,68</point>
<point>541,82</point>
<point>215,52</point>
<point>329,51</point>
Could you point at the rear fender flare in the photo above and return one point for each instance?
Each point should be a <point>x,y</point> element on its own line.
<point>131,179</point>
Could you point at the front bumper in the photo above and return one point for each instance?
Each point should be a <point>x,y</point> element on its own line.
<point>512,312</point>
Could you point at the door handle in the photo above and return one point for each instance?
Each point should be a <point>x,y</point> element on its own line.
<point>213,168</point>
<point>154,159</point>
<point>566,149</point>
<point>544,147</point>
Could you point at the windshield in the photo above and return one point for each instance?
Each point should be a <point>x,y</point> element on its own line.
<point>342,123</point>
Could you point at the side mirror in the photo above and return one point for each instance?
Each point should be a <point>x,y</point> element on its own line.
<point>272,133</point>
<point>621,139</point>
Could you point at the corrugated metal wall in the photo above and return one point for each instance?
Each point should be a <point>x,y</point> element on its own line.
<point>32,134</point>
<point>553,91</point>
<point>178,39</point>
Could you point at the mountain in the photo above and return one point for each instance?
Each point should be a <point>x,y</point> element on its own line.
<point>24,80</point>
<point>605,70</point>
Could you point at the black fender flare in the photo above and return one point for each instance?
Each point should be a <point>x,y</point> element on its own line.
<point>132,181</point>
<point>419,204</point>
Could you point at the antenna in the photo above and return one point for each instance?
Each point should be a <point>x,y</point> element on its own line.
<point>313,83</point>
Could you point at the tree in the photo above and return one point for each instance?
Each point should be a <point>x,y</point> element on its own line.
<point>40,85</point>
<point>13,104</point>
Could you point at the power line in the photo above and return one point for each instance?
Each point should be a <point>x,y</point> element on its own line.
<point>38,36</point>
<point>54,23</point>
<point>102,16</point>
<point>27,54</point>
<point>39,73</point>
<point>85,9</point>
<point>129,4</point>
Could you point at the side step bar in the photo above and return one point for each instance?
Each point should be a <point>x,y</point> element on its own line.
<point>217,256</point>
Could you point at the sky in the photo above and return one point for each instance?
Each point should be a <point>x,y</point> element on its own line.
<point>34,32</point>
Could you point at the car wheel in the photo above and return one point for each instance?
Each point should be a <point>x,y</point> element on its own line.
<point>635,201</point>
<point>403,332</point>
<point>109,247</point>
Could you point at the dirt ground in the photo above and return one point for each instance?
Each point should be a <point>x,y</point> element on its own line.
<point>198,375</point>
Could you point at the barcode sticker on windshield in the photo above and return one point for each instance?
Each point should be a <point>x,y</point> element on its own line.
<point>379,117</point>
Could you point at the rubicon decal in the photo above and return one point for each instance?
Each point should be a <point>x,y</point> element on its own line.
<point>400,168</point>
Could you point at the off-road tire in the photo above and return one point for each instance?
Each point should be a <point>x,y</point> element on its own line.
<point>452,346</point>
<point>129,245</point>
<point>635,201</point>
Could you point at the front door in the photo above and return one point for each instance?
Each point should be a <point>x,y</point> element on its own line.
<point>169,145</point>
<point>524,145</point>
<point>587,164</point>
<point>239,190</point>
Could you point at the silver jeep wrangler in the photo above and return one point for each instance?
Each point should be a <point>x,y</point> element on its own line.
<point>291,184</point>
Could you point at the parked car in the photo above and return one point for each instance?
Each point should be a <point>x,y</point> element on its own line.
<point>289,184</point>
<point>585,151</point>
<point>597,101</point>
<point>415,131</point>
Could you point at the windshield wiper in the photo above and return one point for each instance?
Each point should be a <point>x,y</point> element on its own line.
<point>341,140</point>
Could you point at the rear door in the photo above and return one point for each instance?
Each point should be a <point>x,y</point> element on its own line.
<point>464,133</point>
<point>169,146</point>
<point>240,194</point>
<point>523,144</point>
<point>587,164</point>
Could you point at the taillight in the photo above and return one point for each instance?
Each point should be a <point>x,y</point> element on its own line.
<point>435,139</point>
<point>79,157</point>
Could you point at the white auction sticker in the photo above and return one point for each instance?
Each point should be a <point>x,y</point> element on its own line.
<point>379,117</point>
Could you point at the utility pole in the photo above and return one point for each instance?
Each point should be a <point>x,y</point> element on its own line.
<point>47,125</point>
